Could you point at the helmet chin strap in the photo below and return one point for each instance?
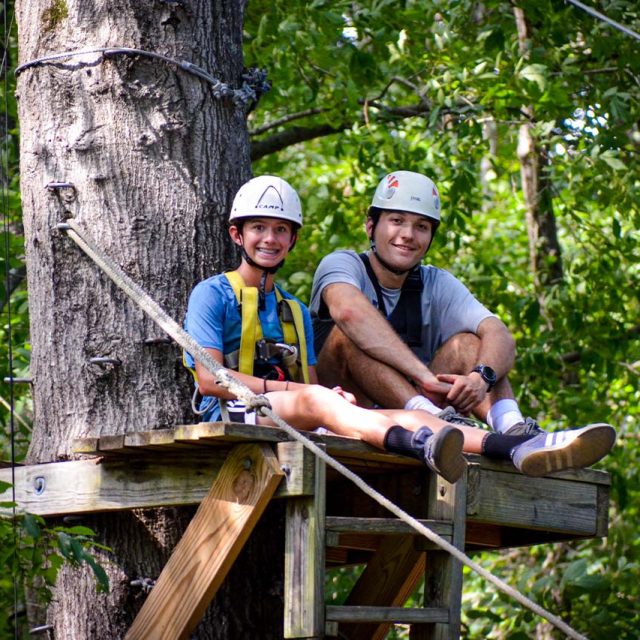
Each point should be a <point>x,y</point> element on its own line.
<point>387,266</point>
<point>266,271</point>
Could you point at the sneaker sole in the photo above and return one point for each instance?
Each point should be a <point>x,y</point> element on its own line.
<point>447,454</point>
<point>586,449</point>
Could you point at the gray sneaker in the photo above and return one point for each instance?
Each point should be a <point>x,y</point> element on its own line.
<point>561,450</point>
<point>442,451</point>
<point>527,428</point>
<point>450,415</point>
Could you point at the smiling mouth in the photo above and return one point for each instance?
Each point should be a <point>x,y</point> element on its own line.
<point>268,253</point>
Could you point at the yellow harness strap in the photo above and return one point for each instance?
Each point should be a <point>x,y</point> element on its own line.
<point>293,332</point>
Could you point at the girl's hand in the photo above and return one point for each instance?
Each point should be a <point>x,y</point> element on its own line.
<point>349,397</point>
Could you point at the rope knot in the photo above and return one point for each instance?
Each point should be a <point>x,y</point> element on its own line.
<point>256,403</point>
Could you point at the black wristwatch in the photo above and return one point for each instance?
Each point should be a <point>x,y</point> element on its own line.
<point>487,374</point>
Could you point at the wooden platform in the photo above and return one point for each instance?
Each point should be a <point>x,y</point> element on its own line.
<point>177,466</point>
<point>233,470</point>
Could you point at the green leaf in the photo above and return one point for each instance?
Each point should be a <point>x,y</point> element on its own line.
<point>30,525</point>
<point>535,73</point>
<point>100,574</point>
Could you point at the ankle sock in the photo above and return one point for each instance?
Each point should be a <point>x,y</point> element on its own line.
<point>400,440</point>
<point>496,445</point>
<point>422,403</point>
<point>503,415</point>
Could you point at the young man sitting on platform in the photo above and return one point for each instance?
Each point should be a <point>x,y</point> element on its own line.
<point>252,326</point>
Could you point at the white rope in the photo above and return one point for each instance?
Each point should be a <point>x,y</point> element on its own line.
<point>225,379</point>
<point>601,16</point>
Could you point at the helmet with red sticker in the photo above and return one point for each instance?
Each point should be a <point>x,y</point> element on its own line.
<point>407,191</point>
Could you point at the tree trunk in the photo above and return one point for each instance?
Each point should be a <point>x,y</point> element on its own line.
<point>154,159</point>
<point>545,252</point>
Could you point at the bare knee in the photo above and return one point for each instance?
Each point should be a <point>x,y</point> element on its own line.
<point>457,355</point>
<point>333,359</point>
<point>314,400</point>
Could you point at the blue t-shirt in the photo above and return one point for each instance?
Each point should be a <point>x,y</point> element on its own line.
<point>213,319</point>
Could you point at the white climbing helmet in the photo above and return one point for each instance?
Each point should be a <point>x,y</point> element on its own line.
<point>267,197</point>
<point>408,191</point>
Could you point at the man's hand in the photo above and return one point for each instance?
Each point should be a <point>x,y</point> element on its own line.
<point>435,389</point>
<point>465,391</point>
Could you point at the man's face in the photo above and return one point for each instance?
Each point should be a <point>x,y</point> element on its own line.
<point>401,238</point>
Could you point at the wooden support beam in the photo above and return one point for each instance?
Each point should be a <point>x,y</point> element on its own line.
<point>386,614</point>
<point>304,559</point>
<point>210,545</point>
<point>116,484</point>
<point>387,581</point>
<point>443,577</point>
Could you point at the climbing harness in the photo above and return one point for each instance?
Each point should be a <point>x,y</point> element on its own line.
<point>256,353</point>
<point>261,404</point>
<point>254,349</point>
<point>406,317</point>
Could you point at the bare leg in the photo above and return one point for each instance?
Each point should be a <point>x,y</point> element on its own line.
<point>316,406</point>
<point>341,363</point>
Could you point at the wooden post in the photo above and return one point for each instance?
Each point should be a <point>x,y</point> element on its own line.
<point>304,543</point>
<point>443,579</point>
<point>210,545</point>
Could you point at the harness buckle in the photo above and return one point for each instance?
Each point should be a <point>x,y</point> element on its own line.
<point>267,349</point>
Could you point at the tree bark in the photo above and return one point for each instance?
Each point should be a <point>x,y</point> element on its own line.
<point>154,160</point>
<point>545,252</point>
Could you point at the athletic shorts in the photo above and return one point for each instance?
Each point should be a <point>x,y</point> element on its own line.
<point>238,412</point>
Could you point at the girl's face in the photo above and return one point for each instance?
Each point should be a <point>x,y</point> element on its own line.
<point>267,241</point>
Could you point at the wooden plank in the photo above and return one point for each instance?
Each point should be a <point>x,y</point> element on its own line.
<point>551,504</point>
<point>443,578</point>
<point>100,484</point>
<point>387,581</point>
<point>304,560</point>
<point>591,476</point>
<point>383,526</point>
<point>213,433</point>
<point>115,484</point>
<point>398,615</point>
<point>210,545</point>
<point>602,512</point>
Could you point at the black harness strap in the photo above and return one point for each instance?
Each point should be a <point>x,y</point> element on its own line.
<point>406,318</point>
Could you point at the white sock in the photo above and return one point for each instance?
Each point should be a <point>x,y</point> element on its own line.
<point>503,415</point>
<point>423,404</point>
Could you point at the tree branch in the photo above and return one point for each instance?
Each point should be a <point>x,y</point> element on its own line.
<point>292,136</point>
<point>286,119</point>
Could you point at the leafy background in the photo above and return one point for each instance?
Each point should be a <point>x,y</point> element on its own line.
<point>444,88</point>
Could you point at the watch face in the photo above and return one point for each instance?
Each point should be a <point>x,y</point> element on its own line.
<point>487,374</point>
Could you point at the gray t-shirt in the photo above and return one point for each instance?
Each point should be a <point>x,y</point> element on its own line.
<point>448,307</point>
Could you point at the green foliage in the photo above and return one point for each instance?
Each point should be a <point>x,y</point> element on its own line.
<point>443,88</point>
<point>32,552</point>
<point>461,66</point>
<point>14,318</point>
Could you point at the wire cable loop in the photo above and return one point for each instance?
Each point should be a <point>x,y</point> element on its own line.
<point>254,81</point>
